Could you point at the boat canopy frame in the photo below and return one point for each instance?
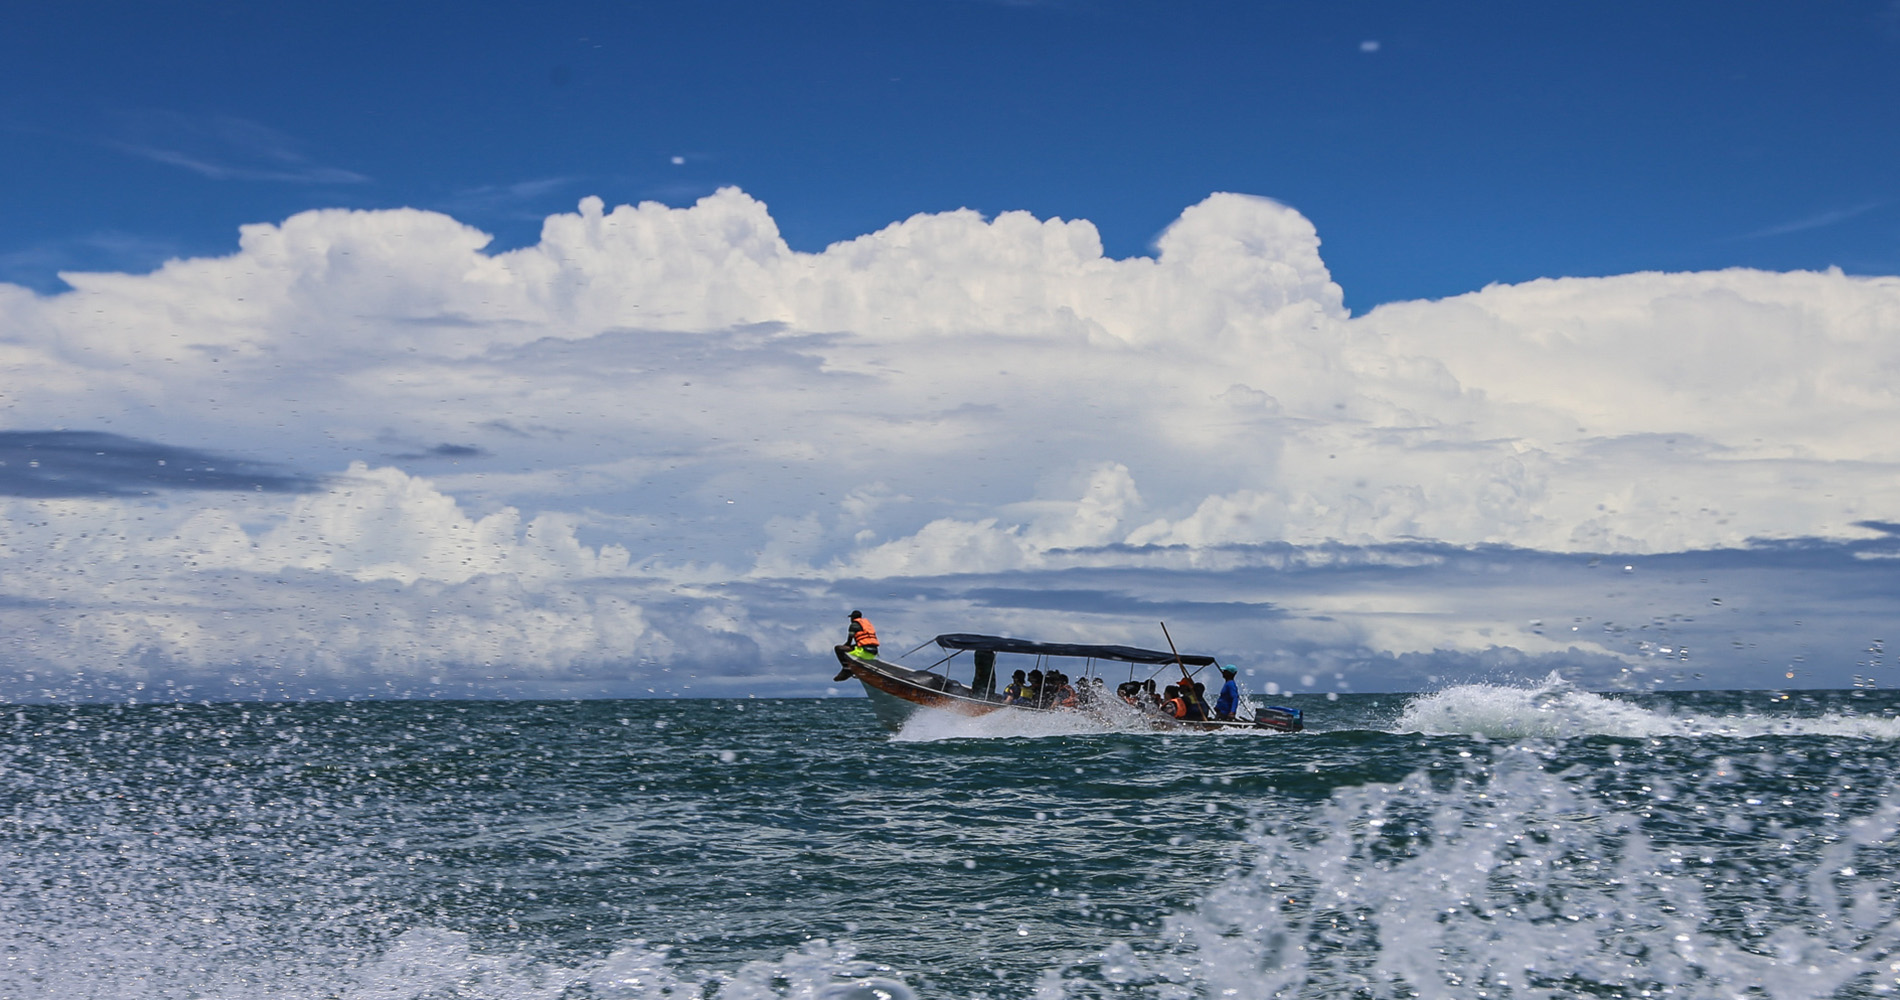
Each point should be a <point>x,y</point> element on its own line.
<point>1122,654</point>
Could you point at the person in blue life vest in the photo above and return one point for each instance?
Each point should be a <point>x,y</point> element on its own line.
<point>1228,703</point>
<point>860,640</point>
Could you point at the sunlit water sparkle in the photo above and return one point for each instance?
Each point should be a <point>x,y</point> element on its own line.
<point>1519,841</point>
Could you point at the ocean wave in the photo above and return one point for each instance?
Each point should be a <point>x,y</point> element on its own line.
<point>1553,709</point>
<point>781,858</point>
<point>429,963</point>
<point>1517,883</point>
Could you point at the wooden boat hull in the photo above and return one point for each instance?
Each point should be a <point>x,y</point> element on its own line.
<point>897,692</point>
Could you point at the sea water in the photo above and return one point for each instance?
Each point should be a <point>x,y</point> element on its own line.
<point>1478,841</point>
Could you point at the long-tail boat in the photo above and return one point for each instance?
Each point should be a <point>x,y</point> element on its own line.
<point>896,692</point>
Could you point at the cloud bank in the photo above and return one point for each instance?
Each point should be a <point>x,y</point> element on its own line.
<point>88,463</point>
<point>660,448</point>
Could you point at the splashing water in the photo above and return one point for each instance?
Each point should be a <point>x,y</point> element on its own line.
<point>1519,886</point>
<point>429,963</point>
<point>1553,709</point>
<point>587,851</point>
<point>930,726</point>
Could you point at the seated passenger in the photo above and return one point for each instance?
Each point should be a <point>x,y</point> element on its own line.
<point>860,640</point>
<point>1017,690</point>
<point>1061,692</point>
<point>1196,695</point>
<point>1173,705</point>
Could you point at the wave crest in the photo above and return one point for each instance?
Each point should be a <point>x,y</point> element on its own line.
<point>1554,709</point>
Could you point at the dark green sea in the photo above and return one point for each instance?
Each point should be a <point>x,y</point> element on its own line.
<point>1481,841</point>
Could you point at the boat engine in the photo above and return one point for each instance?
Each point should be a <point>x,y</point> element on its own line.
<point>1279,717</point>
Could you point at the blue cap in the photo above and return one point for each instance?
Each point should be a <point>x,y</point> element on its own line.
<point>1230,669</point>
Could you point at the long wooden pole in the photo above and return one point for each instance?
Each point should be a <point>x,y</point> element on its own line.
<point>1177,655</point>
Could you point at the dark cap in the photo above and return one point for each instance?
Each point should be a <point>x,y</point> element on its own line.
<point>857,614</point>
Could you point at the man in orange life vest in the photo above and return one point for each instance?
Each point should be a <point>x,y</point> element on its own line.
<point>860,634</point>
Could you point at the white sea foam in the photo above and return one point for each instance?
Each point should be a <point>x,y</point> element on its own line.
<point>426,963</point>
<point>1519,885</point>
<point>929,726</point>
<point>1553,709</point>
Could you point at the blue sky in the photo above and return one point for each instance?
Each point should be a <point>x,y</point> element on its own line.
<point>620,349</point>
<point>1438,147</point>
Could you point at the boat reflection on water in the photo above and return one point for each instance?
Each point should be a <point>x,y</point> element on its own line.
<point>897,692</point>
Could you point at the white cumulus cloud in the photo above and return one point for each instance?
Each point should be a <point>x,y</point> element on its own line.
<point>568,462</point>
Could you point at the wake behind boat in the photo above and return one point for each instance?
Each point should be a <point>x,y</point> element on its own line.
<point>897,692</point>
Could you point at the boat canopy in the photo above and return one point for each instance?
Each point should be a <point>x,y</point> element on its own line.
<point>1125,654</point>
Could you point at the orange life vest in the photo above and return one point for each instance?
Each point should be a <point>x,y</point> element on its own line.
<point>865,634</point>
<point>1177,707</point>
